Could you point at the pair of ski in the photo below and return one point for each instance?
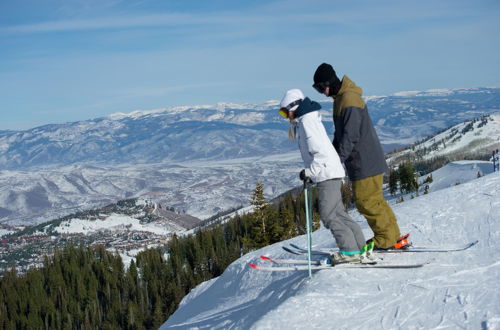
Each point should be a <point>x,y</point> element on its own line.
<point>284,265</point>
<point>298,264</point>
<point>298,250</point>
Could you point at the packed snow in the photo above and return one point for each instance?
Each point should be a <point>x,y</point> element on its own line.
<point>455,290</point>
<point>458,172</point>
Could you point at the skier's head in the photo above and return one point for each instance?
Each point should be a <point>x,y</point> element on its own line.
<point>326,80</point>
<point>290,102</point>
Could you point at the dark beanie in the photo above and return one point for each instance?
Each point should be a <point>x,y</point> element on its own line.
<point>324,73</point>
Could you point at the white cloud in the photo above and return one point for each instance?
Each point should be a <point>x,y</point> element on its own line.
<point>167,19</point>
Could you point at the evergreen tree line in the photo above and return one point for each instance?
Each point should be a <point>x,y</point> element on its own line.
<point>404,178</point>
<point>89,287</point>
<point>427,166</point>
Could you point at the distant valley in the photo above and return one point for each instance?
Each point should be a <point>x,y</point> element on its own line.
<point>200,160</point>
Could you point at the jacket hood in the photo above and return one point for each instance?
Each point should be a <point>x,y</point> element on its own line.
<point>348,86</point>
<point>306,106</point>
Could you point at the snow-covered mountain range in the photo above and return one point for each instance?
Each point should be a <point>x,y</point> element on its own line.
<point>455,290</point>
<point>225,131</point>
<point>200,159</point>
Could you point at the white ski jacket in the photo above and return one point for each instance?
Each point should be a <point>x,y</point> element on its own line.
<point>321,161</point>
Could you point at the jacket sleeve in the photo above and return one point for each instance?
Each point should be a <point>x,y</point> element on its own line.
<point>314,149</point>
<point>351,121</point>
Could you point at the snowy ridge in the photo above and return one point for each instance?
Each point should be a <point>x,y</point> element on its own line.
<point>481,135</point>
<point>221,106</point>
<point>175,134</point>
<point>455,290</point>
<point>440,92</point>
<point>408,117</point>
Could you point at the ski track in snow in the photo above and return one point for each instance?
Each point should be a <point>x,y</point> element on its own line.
<point>457,290</point>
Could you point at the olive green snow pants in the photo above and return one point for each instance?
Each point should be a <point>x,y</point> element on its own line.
<point>371,204</point>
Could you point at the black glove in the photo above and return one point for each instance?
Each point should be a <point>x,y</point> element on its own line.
<point>303,176</point>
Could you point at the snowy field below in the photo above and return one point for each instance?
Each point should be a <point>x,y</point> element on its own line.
<point>457,290</point>
<point>114,222</point>
<point>458,172</point>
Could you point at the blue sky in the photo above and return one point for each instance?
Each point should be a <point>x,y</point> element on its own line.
<point>68,60</point>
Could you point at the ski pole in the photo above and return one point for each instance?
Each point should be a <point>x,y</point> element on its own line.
<point>307,197</point>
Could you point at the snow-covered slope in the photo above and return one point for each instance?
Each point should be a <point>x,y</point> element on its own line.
<point>115,222</point>
<point>456,290</point>
<point>472,137</point>
<point>456,173</point>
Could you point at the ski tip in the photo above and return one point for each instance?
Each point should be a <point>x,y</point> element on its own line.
<point>290,251</point>
<point>266,258</point>
<point>253,266</point>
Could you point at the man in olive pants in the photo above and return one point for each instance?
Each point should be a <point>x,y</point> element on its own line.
<point>359,149</point>
<point>371,204</point>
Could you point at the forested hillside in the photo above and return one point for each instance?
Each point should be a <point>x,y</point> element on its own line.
<point>89,288</point>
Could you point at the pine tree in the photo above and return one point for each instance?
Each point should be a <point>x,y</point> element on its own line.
<point>286,222</point>
<point>407,180</point>
<point>259,202</point>
<point>393,181</point>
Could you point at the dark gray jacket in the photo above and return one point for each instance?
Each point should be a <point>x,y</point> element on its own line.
<point>355,138</point>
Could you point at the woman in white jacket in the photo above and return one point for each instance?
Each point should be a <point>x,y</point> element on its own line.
<point>323,167</point>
